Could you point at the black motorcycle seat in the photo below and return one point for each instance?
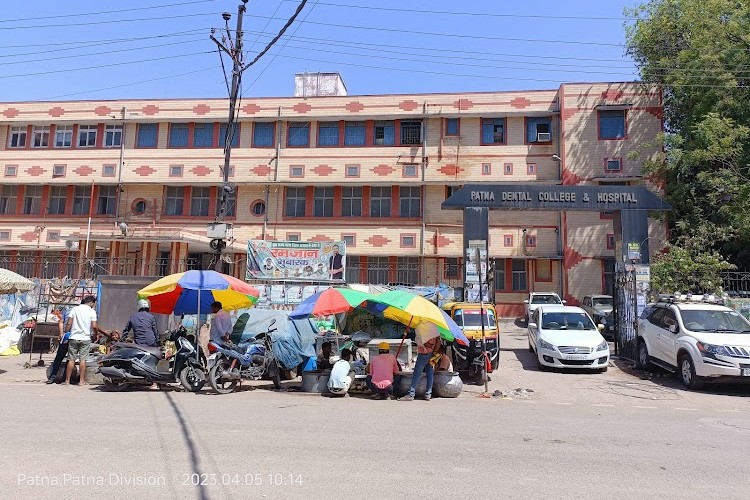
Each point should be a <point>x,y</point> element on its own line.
<point>151,350</point>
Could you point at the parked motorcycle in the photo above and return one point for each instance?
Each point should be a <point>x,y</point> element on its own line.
<point>132,364</point>
<point>253,360</point>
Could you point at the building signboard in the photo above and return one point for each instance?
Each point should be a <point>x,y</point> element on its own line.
<point>296,261</point>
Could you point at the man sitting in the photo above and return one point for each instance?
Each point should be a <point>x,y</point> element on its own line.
<point>381,372</point>
<point>342,374</point>
<point>324,357</point>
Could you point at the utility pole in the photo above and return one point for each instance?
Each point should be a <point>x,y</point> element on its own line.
<point>219,231</point>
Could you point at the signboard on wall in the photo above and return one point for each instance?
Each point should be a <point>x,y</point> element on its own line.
<point>296,260</point>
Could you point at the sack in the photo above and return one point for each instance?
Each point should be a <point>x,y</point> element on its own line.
<point>434,359</point>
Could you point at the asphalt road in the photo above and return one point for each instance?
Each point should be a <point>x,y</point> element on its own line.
<point>576,435</point>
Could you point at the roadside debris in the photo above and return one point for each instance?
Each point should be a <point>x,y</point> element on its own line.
<point>517,393</point>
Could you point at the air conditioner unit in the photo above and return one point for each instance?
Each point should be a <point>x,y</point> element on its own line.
<point>543,137</point>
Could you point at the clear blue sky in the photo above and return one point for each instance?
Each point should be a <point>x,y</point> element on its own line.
<point>82,50</point>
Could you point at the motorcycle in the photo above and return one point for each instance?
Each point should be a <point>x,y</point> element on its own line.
<point>253,360</point>
<point>132,364</point>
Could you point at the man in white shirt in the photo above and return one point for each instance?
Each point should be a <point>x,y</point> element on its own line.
<point>82,326</point>
<point>342,374</point>
<point>221,324</point>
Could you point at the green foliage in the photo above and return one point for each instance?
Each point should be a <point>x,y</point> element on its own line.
<point>684,270</point>
<point>699,52</point>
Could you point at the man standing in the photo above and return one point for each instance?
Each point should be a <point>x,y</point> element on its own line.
<point>336,264</point>
<point>221,325</point>
<point>143,326</point>
<point>82,326</point>
<point>381,372</point>
<point>62,348</point>
<point>425,351</point>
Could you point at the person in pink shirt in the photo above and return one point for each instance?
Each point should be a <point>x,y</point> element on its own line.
<point>381,372</point>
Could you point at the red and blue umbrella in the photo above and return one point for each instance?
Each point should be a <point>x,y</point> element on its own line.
<point>330,301</point>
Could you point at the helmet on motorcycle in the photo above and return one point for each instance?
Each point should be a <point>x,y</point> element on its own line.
<point>384,346</point>
<point>143,304</point>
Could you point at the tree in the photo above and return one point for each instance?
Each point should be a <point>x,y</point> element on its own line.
<point>699,52</point>
<point>682,270</point>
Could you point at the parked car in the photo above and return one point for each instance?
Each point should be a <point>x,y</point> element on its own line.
<point>699,341</point>
<point>566,337</point>
<point>600,307</point>
<point>538,298</point>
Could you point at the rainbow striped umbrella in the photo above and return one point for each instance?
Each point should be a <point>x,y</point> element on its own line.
<point>330,301</point>
<point>193,292</point>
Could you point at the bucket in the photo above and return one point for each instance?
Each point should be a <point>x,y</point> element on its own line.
<point>447,385</point>
<point>404,383</point>
<point>316,381</point>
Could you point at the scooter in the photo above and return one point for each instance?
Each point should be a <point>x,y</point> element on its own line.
<point>252,359</point>
<point>132,364</point>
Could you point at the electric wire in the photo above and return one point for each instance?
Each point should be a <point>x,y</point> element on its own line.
<point>96,42</point>
<point>106,21</point>
<point>279,35</point>
<point>80,14</point>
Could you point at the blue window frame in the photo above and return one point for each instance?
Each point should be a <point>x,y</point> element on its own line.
<point>223,134</point>
<point>178,135</point>
<point>493,131</point>
<point>148,134</point>
<point>384,133</point>
<point>538,125</point>
<point>354,134</point>
<point>203,135</point>
<point>451,126</point>
<point>299,134</point>
<point>328,134</point>
<point>263,134</point>
<point>612,124</point>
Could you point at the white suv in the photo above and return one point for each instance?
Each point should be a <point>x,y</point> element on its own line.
<point>699,341</point>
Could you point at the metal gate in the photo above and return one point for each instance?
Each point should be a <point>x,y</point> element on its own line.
<point>625,307</point>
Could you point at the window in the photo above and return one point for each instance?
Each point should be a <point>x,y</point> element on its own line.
<point>58,170</point>
<point>451,267</point>
<point>352,269</point>
<point>11,170</point>
<point>57,196</point>
<point>409,171</point>
<point>53,236</point>
<point>407,270</point>
<point>263,134</point>
<point>349,239</point>
<point>493,131</point>
<point>148,135</point>
<point>231,209</point>
<point>610,242</point>
<point>199,201</point>
<point>108,170</point>
<point>408,241</point>
<point>32,201</point>
<point>508,240</point>
<point>17,137</point>
<point>519,274</point>
<point>486,168</point>
<point>384,133</point>
<point>235,135</point>
<point>612,124</point>
<point>81,200</point>
<point>352,171</point>
<point>538,129</point>
<point>5,236</point>
<point>508,169</point>
<point>328,134</point>
<point>530,240</point>
<point>203,135</point>
<point>380,201</point>
<point>544,270</point>
<point>451,126</point>
<point>112,136</point>
<point>295,202</point>
<point>258,208</point>
<point>299,135</point>
<point>40,136</point>
<point>293,236</point>
<point>107,200</point>
<point>63,136</point>
<point>86,136</point>
<point>139,206</point>
<point>613,165</point>
<point>608,271</point>
<point>411,132</point>
<point>8,198</point>
<point>450,191</point>
<point>323,204</point>
<point>174,201</point>
<point>351,202</point>
<point>354,134</point>
<point>296,171</point>
<point>531,168</point>
<point>377,270</point>
<point>175,170</point>
<point>410,201</point>
<point>178,135</point>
